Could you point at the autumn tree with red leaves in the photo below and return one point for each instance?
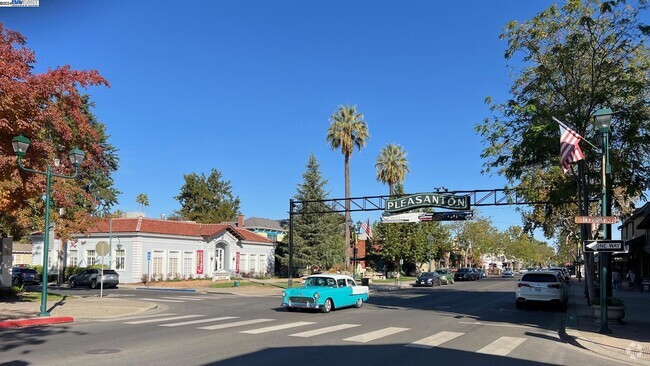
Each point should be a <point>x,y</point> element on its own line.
<point>48,109</point>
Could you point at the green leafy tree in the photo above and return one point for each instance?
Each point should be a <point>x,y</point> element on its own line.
<point>347,131</point>
<point>207,200</point>
<point>576,58</point>
<point>317,240</point>
<point>392,166</point>
<point>143,200</point>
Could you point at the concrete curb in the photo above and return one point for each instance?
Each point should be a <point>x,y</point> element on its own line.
<point>166,289</point>
<point>21,323</point>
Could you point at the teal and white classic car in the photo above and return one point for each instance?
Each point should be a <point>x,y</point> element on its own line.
<point>325,292</point>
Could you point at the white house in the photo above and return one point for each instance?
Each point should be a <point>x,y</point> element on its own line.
<point>164,249</point>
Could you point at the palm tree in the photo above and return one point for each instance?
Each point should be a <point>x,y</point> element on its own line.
<point>143,200</point>
<point>392,166</point>
<point>347,130</point>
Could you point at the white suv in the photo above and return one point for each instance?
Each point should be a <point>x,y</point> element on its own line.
<point>541,286</point>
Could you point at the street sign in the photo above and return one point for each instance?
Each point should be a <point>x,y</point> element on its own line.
<point>148,256</point>
<point>604,246</point>
<point>596,219</point>
<point>404,217</point>
<point>102,248</point>
<point>447,216</point>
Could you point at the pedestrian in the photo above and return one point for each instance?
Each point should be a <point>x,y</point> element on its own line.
<point>630,277</point>
<point>616,279</point>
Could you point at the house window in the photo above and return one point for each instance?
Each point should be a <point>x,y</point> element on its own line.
<point>253,263</point>
<point>172,265</point>
<point>157,264</point>
<point>119,259</point>
<point>263,265</point>
<point>272,236</point>
<point>188,259</point>
<point>91,257</point>
<point>243,263</point>
<point>73,258</point>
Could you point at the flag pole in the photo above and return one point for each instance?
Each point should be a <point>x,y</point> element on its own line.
<point>575,134</point>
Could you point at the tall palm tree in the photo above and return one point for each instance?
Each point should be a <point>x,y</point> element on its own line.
<point>143,200</point>
<point>392,166</point>
<point>347,130</point>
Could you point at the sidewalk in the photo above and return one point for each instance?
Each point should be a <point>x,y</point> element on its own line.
<point>629,342</point>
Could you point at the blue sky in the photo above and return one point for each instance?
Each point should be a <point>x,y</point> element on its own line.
<point>247,88</point>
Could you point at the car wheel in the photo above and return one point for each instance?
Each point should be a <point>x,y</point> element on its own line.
<point>359,303</point>
<point>327,307</point>
<point>93,284</point>
<point>73,283</point>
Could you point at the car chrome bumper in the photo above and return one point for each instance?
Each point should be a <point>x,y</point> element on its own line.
<point>300,305</point>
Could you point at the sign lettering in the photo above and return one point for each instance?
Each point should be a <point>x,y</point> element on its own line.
<point>199,262</point>
<point>427,200</point>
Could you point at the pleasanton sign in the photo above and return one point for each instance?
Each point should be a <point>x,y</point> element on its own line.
<point>427,200</point>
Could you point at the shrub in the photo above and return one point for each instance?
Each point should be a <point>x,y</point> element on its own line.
<point>611,301</point>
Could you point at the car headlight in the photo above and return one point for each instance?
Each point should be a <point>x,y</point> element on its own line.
<point>316,295</point>
<point>284,293</point>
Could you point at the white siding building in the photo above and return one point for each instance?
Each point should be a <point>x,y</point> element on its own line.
<point>165,249</point>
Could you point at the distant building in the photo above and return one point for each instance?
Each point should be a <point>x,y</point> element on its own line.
<point>634,231</point>
<point>165,249</point>
<point>274,230</point>
<point>21,253</point>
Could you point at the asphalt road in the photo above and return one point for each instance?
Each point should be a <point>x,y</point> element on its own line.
<point>473,323</point>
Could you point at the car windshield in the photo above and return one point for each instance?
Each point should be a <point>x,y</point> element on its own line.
<point>441,271</point>
<point>539,277</point>
<point>463,270</point>
<point>427,275</point>
<point>109,272</point>
<point>320,281</point>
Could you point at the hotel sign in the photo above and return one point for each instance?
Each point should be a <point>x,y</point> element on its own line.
<point>427,200</point>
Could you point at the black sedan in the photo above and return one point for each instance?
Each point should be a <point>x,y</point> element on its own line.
<point>465,274</point>
<point>428,279</point>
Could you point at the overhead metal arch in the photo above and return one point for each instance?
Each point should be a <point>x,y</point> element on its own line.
<point>478,198</point>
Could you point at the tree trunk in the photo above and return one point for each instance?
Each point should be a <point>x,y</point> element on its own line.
<point>348,244</point>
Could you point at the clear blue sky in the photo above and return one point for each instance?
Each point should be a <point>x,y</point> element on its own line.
<point>247,88</point>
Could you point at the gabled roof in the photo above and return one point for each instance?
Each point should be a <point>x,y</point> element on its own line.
<point>171,227</point>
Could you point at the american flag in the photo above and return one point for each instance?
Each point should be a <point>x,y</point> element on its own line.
<point>367,228</point>
<point>569,148</point>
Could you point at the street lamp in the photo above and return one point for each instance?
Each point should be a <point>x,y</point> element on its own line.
<point>356,230</point>
<point>430,238</point>
<point>20,145</point>
<point>603,119</point>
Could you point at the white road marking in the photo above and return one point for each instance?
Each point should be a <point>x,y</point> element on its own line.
<point>277,327</point>
<point>182,298</point>
<point>435,340</point>
<point>371,336</point>
<point>500,325</point>
<point>198,321</point>
<point>163,319</point>
<point>161,300</point>
<point>325,330</point>
<point>237,324</point>
<point>502,346</point>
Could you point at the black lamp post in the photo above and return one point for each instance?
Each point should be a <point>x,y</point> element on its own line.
<point>603,119</point>
<point>20,145</point>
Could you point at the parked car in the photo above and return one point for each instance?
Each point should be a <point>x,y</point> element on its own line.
<point>477,273</point>
<point>93,277</point>
<point>482,273</point>
<point>24,276</point>
<point>508,273</point>
<point>465,274</point>
<point>446,276</point>
<point>428,279</point>
<point>563,271</point>
<point>325,292</point>
<point>541,286</point>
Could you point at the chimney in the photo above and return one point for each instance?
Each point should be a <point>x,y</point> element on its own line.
<point>240,221</point>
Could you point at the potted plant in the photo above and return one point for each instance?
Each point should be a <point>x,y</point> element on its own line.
<point>615,309</point>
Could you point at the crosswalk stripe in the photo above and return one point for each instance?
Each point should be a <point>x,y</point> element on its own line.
<point>502,346</point>
<point>162,300</point>
<point>163,319</point>
<point>236,324</point>
<point>325,330</point>
<point>371,336</point>
<point>135,317</point>
<point>198,321</point>
<point>435,340</point>
<point>277,327</point>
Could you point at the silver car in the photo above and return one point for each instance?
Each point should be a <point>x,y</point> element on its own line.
<point>93,277</point>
